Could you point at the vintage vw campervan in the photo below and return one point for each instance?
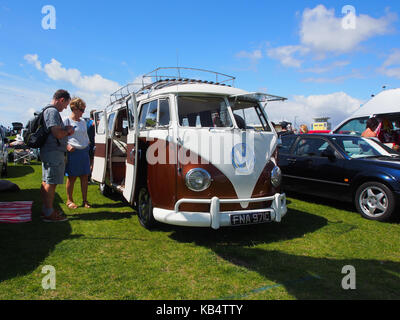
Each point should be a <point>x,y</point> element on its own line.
<point>190,152</point>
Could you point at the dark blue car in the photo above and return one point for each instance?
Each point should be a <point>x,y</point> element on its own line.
<point>343,167</point>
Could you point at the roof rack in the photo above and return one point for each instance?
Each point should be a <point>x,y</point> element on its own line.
<point>163,77</point>
<point>184,73</point>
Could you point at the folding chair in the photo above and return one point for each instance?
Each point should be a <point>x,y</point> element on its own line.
<point>22,156</point>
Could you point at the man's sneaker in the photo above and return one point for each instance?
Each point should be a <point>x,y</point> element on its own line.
<point>56,216</point>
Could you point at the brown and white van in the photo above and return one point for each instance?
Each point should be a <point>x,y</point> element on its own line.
<point>190,152</point>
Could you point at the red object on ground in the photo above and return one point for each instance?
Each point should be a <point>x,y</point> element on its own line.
<point>16,212</point>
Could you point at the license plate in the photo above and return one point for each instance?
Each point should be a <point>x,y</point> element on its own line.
<point>250,218</point>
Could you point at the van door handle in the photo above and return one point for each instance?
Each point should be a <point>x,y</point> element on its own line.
<point>132,154</point>
<point>292,160</point>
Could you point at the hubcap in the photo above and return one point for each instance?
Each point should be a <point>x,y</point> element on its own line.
<point>143,204</point>
<point>373,201</point>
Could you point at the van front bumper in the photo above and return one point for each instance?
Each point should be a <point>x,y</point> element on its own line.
<point>216,218</point>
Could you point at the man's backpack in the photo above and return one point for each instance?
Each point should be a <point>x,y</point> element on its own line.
<point>36,133</point>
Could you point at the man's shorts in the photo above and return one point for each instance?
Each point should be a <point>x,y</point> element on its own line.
<point>53,167</point>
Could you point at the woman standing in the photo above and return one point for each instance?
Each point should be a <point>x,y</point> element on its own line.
<point>78,161</point>
<point>303,128</point>
<point>370,131</point>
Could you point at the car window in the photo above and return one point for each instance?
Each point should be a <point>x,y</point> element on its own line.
<point>356,147</point>
<point>287,142</point>
<point>354,126</point>
<point>311,147</point>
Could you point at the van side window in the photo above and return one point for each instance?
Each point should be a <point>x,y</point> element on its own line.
<point>111,122</point>
<point>354,126</point>
<point>100,125</point>
<point>148,115</point>
<point>131,117</point>
<point>143,114</point>
<point>163,113</point>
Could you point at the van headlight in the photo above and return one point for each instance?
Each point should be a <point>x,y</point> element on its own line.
<point>276,176</point>
<point>198,179</point>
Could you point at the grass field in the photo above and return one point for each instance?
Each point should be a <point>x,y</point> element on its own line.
<point>104,253</point>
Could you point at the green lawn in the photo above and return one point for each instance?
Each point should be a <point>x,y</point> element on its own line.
<point>104,253</point>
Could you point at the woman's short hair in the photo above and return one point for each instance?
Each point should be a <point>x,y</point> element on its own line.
<point>77,103</point>
<point>372,123</point>
<point>303,128</point>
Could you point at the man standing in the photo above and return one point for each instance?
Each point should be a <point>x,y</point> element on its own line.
<point>52,154</point>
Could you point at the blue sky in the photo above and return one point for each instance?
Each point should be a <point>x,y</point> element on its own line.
<point>296,49</point>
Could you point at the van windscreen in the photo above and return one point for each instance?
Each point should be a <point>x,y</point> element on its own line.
<point>203,112</point>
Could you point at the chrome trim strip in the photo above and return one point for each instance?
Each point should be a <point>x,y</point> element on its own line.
<point>317,180</point>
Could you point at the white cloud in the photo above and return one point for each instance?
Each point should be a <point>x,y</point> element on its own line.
<point>327,68</point>
<point>254,56</point>
<point>322,31</point>
<point>18,100</point>
<point>392,60</point>
<point>33,59</point>
<point>337,106</point>
<point>286,55</point>
<point>55,71</point>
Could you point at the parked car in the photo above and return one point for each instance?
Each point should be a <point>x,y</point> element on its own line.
<point>3,152</point>
<point>230,176</point>
<point>343,167</point>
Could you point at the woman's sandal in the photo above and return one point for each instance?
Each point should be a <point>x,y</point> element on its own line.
<point>71,205</point>
<point>86,204</point>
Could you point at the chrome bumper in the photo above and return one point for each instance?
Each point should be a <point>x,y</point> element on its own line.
<point>216,218</point>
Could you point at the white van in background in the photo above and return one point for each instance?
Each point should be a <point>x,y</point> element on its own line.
<point>385,105</point>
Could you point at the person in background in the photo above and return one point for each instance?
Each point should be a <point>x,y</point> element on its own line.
<point>303,129</point>
<point>78,162</point>
<point>91,134</point>
<point>371,126</point>
<point>52,155</point>
<point>286,129</point>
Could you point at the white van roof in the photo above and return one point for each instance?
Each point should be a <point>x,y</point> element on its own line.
<point>387,101</point>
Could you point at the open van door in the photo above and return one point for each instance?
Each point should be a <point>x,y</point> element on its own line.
<point>132,150</point>
<point>100,153</point>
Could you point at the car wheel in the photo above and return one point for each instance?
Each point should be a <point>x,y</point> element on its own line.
<point>105,190</point>
<point>375,201</point>
<point>145,209</point>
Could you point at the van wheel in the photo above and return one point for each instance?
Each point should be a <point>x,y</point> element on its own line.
<point>145,209</point>
<point>375,201</point>
<point>105,190</point>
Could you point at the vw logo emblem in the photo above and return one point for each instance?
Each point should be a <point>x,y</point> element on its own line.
<point>243,159</point>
